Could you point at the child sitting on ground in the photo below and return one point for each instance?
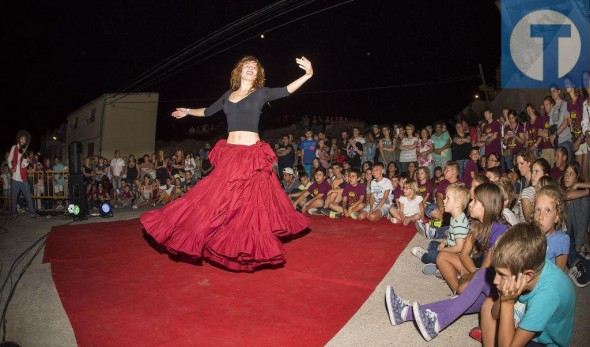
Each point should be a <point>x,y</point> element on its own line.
<point>303,186</point>
<point>456,200</point>
<point>353,197</point>
<point>507,189</point>
<point>523,275</point>
<point>410,205</point>
<point>337,183</point>
<point>378,205</point>
<point>316,190</point>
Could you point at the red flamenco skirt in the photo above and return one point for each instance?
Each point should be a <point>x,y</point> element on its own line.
<point>233,217</point>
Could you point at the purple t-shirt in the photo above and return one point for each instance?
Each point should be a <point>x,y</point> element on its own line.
<point>322,188</point>
<point>497,230</point>
<point>542,122</point>
<point>353,194</point>
<point>397,192</point>
<point>556,172</point>
<point>442,188</point>
<point>490,128</point>
<point>471,167</point>
<point>513,143</point>
<point>426,188</point>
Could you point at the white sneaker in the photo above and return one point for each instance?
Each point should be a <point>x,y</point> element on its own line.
<point>312,211</point>
<point>420,228</point>
<point>418,252</point>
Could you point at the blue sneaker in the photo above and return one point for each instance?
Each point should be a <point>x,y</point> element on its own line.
<point>427,322</point>
<point>396,307</point>
<point>429,269</point>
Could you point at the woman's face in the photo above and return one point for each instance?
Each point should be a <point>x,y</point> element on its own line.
<point>523,166</point>
<point>409,131</point>
<point>569,177</point>
<point>391,167</point>
<point>492,161</point>
<point>424,134</point>
<point>249,71</point>
<point>536,174</point>
<point>411,166</point>
<point>512,119</point>
<point>438,129</point>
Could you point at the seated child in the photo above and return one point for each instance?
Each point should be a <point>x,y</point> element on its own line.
<point>507,189</point>
<point>303,186</point>
<point>353,197</point>
<point>410,205</point>
<point>493,174</point>
<point>378,205</point>
<point>550,307</point>
<point>337,183</point>
<point>316,190</point>
<point>456,201</point>
<point>523,275</point>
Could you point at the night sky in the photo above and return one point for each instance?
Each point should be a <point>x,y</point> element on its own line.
<point>58,56</point>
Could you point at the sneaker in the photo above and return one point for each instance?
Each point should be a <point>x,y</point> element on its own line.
<point>325,211</point>
<point>430,269</point>
<point>314,212</point>
<point>396,307</point>
<point>354,215</point>
<point>421,227</point>
<point>579,275</point>
<point>334,214</point>
<point>427,322</point>
<point>418,252</point>
<point>430,232</point>
<point>438,275</point>
<point>475,334</point>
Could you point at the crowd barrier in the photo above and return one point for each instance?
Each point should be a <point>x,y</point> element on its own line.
<point>47,188</point>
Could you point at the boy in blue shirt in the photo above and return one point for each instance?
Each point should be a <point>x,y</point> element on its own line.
<point>308,147</point>
<point>523,276</point>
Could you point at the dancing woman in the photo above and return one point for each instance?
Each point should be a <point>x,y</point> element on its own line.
<point>234,216</point>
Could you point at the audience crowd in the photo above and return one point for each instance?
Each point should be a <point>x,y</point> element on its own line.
<point>461,185</point>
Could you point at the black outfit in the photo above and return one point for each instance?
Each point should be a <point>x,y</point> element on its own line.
<point>354,159</point>
<point>245,114</point>
<point>132,174</point>
<point>461,152</point>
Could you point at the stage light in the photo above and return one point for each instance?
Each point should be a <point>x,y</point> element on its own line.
<point>76,212</point>
<point>105,210</point>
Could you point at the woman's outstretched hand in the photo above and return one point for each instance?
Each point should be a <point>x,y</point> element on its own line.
<point>305,65</point>
<point>180,113</point>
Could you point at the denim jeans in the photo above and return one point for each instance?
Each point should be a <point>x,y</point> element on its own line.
<point>430,257</point>
<point>16,187</point>
<point>462,165</point>
<point>578,215</point>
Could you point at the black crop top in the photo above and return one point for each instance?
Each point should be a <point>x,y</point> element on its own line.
<point>244,115</point>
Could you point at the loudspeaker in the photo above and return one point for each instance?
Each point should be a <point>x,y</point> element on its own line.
<point>75,157</point>
<point>77,193</point>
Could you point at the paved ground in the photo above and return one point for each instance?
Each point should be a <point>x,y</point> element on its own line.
<point>36,316</point>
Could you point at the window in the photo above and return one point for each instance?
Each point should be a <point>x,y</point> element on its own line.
<point>91,116</point>
<point>74,123</point>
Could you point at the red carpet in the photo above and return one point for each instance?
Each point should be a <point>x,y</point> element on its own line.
<point>119,290</point>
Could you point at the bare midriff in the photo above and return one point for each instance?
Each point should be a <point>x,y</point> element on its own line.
<point>246,138</point>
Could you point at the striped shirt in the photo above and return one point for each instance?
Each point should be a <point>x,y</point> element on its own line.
<point>458,229</point>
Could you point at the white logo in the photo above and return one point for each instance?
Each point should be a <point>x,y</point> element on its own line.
<point>528,52</point>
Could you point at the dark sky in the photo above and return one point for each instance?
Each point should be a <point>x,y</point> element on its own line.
<point>59,55</point>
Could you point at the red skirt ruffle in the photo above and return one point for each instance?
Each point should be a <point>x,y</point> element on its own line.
<point>234,216</point>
